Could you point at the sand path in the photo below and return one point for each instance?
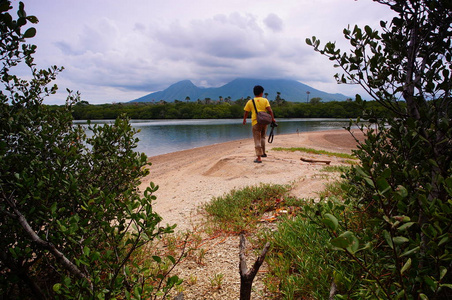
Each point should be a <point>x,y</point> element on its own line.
<point>189,178</point>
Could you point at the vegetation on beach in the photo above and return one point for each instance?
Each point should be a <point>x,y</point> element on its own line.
<point>315,151</point>
<point>401,192</point>
<point>388,228</point>
<point>300,252</point>
<point>72,221</point>
<point>240,210</point>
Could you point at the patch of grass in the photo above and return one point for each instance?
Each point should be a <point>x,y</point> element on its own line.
<point>340,169</point>
<point>216,281</point>
<point>338,189</point>
<point>301,262</point>
<point>315,151</point>
<point>241,210</point>
<point>298,260</point>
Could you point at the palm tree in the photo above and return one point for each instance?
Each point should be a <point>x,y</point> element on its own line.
<point>278,98</point>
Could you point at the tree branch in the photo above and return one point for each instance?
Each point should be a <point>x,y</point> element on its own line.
<point>247,276</point>
<point>63,260</point>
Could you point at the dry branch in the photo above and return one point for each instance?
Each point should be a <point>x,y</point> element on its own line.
<point>315,160</point>
<point>247,276</point>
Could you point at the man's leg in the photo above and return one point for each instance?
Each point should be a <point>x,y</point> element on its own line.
<point>262,141</point>
<point>257,130</point>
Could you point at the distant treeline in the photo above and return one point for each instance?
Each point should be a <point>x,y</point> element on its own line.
<point>218,110</point>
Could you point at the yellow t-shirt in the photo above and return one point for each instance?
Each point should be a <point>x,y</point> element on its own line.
<point>261,105</point>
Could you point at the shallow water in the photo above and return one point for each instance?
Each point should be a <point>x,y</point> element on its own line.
<point>166,136</point>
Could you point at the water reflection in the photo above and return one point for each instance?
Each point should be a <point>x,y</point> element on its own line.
<point>165,136</point>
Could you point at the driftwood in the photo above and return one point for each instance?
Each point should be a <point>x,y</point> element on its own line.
<point>315,160</point>
<point>247,276</point>
<point>333,290</point>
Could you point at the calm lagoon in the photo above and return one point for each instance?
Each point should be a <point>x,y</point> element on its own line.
<point>166,136</point>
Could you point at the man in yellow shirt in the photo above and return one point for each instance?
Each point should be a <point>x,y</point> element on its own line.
<point>259,130</point>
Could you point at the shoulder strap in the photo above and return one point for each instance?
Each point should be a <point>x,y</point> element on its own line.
<point>255,106</point>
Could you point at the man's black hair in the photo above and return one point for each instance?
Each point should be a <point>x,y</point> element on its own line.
<point>258,90</point>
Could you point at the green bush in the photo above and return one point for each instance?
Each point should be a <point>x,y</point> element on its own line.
<point>403,186</point>
<point>299,260</point>
<point>71,215</point>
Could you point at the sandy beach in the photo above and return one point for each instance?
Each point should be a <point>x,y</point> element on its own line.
<point>189,178</point>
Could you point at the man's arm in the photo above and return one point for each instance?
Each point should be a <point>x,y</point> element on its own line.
<point>245,115</point>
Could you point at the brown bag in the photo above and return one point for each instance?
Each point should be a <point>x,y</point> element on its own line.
<point>262,117</point>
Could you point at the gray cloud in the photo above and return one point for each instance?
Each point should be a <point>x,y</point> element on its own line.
<point>274,22</point>
<point>223,36</point>
<point>120,52</point>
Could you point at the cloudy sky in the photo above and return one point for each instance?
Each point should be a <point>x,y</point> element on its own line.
<point>116,51</point>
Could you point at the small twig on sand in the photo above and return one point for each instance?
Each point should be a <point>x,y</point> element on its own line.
<point>315,160</point>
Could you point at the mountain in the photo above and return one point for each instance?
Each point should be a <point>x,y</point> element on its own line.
<point>290,90</point>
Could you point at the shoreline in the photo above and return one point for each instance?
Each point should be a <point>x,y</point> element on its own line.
<point>330,134</point>
<point>189,178</point>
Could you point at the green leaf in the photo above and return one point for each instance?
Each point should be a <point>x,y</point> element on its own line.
<point>346,240</point>
<point>145,237</point>
<point>433,163</point>
<point>361,172</point>
<point>430,282</point>
<point>400,294</point>
<point>157,258</point>
<point>386,173</point>
<point>402,191</point>
<point>340,242</point>
<point>57,287</point>
<point>443,240</point>
<point>423,297</point>
<point>354,245</point>
<point>31,32</point>
<point>171,259</point>
<point>32,19</point>
<point>366,246</point>
<point>383,185</point>
<point>406,266</point>
<point>399,240</point>
<point>53,208</point>
<point>388,239</point>
<point>95,256</point>
<point>405,226</point>
<point>330,221</point>
<point>442,272</point>
<point>409,252</point>
<point>369,181</point>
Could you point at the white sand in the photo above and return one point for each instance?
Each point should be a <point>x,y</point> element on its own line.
<point>189,178</point>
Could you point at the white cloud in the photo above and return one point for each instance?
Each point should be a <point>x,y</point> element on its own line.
<point>117,51</point>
